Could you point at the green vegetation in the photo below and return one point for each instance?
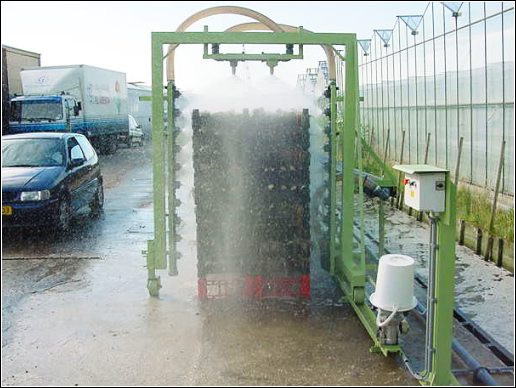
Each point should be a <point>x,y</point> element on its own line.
<point>475,208</point>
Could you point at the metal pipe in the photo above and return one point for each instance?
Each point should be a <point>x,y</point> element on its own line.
<point>481,373</point>
<point>371,188</point>
<point>446,146</point>
<point>459,350</point>
<point>256,26</point>
<point>495,370</point>
<point>430,301</point>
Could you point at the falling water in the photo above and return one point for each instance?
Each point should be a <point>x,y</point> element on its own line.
<point>236,96</point>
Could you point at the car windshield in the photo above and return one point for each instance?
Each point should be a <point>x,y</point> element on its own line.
<point>36,110</point>
<point>32,152</point>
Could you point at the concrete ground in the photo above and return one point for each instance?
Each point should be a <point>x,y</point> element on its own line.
<point>76,311</point>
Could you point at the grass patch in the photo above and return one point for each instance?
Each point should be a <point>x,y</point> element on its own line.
<point>475,208</point>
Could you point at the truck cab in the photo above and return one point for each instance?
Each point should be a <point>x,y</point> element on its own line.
<point>49,113</point>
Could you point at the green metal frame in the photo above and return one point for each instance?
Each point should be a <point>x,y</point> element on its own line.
<point>160,248</point>
<point>444,292</point>
<point>348,267</point>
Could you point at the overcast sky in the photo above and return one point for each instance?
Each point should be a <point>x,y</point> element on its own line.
<point>116,35</point>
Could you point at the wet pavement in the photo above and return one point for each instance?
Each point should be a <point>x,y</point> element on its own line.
<point>76,311</point>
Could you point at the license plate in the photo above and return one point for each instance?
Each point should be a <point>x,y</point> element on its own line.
<point>7,210</point>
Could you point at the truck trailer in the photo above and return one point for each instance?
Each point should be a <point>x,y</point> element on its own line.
<point>13,60</point>
<point>79,98</point>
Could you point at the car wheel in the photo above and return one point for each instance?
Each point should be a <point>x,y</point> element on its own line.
<point>97,205</point>
<point>63,216</point>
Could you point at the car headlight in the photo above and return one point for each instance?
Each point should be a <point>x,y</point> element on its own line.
<point>35,195</point>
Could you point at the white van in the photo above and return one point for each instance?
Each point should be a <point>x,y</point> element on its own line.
<point>133,135</point>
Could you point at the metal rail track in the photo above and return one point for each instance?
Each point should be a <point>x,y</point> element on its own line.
<point>475,368</point>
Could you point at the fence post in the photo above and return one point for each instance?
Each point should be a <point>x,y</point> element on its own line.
<point>489,249</point>
<point>478,249</point>
<point>400,192</point>
<point>427,147</point>
<point>499,261</point>
<point>462,231</point>
<point>457,166</point>
<point>497,187</point>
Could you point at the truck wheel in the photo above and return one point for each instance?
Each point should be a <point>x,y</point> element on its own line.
<point>111,145</point>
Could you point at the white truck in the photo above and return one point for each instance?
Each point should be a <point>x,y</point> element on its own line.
<point>81,99</point>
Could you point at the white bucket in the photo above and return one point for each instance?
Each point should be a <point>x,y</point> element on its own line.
<point>395,284</point>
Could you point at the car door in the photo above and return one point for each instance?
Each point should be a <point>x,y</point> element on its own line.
<point>93,178</point>
<point>77,176</point>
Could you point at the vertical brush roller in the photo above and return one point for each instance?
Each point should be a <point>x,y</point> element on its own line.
<point>175,149</point>
<point>321,154</point>
<point>252,194</point>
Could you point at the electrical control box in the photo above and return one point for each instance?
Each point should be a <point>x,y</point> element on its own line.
<point>425,187</point>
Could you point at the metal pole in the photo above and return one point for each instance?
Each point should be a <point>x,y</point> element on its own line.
<point>394,103</point>
<point>427,146</point>
<point>425,82</point>
<point>347,143</point>
<point>401,87</point>
<point>381,210</point>
<point>377,100</point>
<point>486,87</point>
<point>408,97</point>
<point>388,102</point>
<point>471,157</point>
<point>503,87</point>
<point>382,90</point>
<point>457,75</point>
<point>371,113</point>
<point>444,292</point>
<point>158,157</point>
<point>381,228</point>
<point>445,90</point>
<point>417,103</point>
<point>435,86</point>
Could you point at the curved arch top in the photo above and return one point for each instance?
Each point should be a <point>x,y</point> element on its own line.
<point>263,23</point>
<point>216,11</point>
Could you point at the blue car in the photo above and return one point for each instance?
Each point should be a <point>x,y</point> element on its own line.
<point>47,178</point>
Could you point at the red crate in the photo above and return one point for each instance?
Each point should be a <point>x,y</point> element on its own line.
<point>224,286</point>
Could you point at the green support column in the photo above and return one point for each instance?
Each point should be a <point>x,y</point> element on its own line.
<point>444,292</point>
<point>354,271</point>
<point>158,156</point>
